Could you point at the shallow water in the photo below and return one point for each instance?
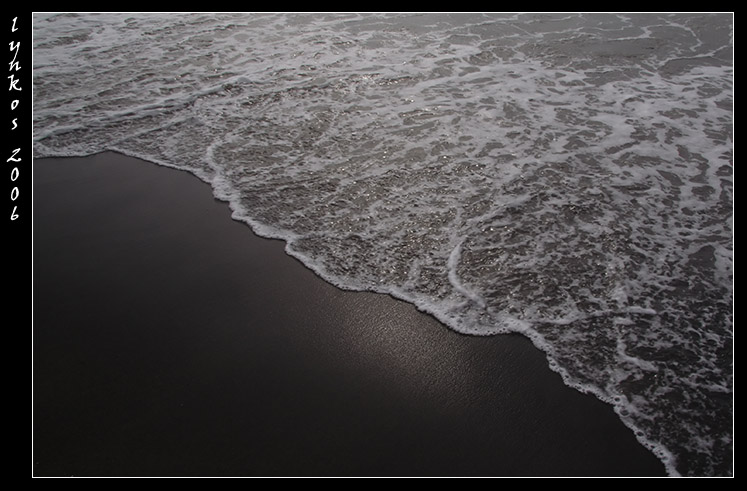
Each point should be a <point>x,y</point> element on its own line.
<point>568,177</point>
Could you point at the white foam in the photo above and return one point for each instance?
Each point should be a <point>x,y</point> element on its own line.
<point>568,178</point>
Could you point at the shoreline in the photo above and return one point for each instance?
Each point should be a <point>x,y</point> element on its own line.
<point>171,340</point>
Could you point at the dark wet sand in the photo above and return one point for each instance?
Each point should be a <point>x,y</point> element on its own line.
<point>169,340</point>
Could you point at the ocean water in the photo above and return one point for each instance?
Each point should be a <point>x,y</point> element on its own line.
<point>565,176</point>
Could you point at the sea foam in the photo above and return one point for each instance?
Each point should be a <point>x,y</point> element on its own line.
<point>568,177</point>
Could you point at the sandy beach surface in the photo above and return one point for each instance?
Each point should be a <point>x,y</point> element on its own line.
<point>169,340</point>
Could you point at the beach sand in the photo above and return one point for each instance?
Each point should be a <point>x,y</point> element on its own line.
<point>169,340</point>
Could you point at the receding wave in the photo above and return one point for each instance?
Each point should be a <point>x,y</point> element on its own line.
<point>568,177</point>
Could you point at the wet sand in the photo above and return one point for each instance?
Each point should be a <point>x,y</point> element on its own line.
<point>169,340</point>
